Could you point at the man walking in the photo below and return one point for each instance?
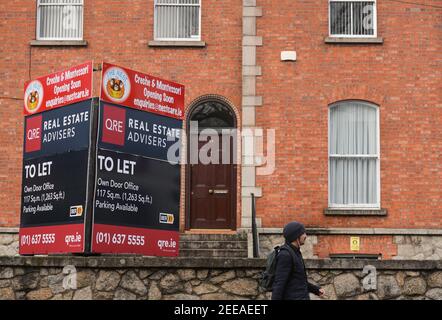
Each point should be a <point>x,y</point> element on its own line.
<point>290,276</point>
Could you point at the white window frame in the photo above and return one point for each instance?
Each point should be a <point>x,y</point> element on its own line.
<point>37,31</point>
<point>375,21</point>
<point>177,5</point>
<point>376,206</point>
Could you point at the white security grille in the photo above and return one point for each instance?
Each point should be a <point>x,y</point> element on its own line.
<point>352,18</point>
<point>177,19</point>
<point>59,19</point>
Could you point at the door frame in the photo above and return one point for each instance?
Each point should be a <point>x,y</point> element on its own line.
<point>187,171</point>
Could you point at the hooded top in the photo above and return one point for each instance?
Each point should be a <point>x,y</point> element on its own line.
<point>291,281</point>
<point>292,231</point>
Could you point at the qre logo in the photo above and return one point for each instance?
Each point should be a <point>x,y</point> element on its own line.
<point>76,211</point>
<point>113,125</point>
<point>167,245</point>
<point>73,240</point>
<point>33,134</point>
<point>167,218</point>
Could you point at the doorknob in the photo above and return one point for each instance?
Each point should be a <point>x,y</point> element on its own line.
<point>210,191</point>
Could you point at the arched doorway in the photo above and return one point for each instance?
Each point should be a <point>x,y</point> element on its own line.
<point>211,167</point>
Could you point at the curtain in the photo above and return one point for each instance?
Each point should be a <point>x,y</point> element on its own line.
<point>353,147</point>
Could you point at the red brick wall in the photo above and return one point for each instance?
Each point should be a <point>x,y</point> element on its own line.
<point>368,245</point>
<point>403,76</point>
<point>117,32</point>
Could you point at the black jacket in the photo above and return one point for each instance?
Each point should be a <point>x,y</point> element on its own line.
<point>290,277</point>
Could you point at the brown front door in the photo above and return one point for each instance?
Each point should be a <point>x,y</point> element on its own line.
<point>212,190</point>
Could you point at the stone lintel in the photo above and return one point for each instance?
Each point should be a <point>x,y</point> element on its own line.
<point>358,40</point>
<point>58,43</point>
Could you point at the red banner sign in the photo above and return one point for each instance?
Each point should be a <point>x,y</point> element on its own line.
<point>52,239</point>
<point>141,91</point>
<point>58,89</point>
<point>120,239</point>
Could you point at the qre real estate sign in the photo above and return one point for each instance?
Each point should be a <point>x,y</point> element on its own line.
<point>101,178</point>
<point>56,160</point>
<point>136,205</point>
<point>140,133</point>
<point>54,204</point>
<point>137,190</point>
<point>58,131</point>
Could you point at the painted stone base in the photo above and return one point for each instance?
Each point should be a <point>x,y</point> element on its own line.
<point>418,247</point>
<point>268,241</point>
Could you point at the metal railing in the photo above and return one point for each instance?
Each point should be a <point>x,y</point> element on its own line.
<point>254,228</point>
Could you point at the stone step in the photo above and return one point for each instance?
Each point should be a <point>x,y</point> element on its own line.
<point>213,253</point>
<point>213,245</point>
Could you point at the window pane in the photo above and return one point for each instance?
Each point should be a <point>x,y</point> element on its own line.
<point>353,181</point>
<point>352,17</point>
<point>340,14</point>
<point>178,21</point>
<point>59,20</point>
<point>353,129</point>
<point>363,18</point>
<point>213,114</point>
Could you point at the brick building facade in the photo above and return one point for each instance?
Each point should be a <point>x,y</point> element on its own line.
<point>239,61</point>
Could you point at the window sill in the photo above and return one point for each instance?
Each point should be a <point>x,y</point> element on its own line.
<point>162,43</point>
<point>339,40</point>
<point>58,43</point>
<point>354,212</point>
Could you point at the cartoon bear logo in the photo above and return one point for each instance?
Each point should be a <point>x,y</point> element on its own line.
<point>115,88</point>
<point>33,100</point>
<point>116,84</point>
<point>33,96</point>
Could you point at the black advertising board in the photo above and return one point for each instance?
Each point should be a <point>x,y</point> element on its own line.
<point>137,191</point>
<point>58,131</point>
<point>137,186</point>
<point>54,203</point>
<point>56,180</point>
<point>101,177</point>
<point>139,132</point>
<point>59,141</point>
<point>135,197</point>
<point>124,195</point>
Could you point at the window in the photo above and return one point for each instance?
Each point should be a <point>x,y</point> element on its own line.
<point>354,173</point>
<point>352,18</point>
<point>177,20</point>
<point>213,114</point>
<point>59,19</point>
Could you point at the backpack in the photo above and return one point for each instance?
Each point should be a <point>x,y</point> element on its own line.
<point>268,276</point>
